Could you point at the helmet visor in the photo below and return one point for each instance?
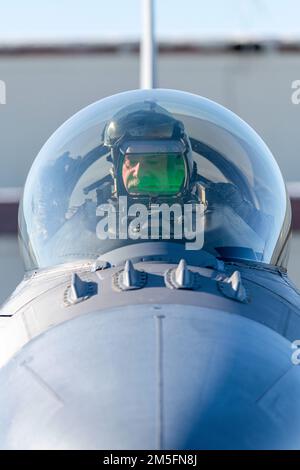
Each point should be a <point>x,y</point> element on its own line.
<point>153,174</point>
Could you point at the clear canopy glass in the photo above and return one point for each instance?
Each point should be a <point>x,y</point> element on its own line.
<point>229,172</point>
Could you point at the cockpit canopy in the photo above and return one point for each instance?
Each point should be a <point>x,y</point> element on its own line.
<point>122,169</point>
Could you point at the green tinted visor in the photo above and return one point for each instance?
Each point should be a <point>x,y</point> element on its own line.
<point>154,173</point>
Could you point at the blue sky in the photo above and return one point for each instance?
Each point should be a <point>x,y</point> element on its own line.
<point>176,19</point>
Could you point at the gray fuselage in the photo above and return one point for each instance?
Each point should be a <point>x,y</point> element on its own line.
<point>151,358</point>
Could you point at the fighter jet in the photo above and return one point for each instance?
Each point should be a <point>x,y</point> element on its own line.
<point>156,311</point>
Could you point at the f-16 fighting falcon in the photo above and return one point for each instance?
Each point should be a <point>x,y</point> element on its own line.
<point>156,311</point>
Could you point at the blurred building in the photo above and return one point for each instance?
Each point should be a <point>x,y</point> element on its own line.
<point>46,84</point>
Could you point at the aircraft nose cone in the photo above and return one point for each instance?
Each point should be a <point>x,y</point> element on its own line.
<point>152,377</point>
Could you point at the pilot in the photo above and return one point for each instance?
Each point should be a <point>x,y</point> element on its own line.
<point>151,155</point>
